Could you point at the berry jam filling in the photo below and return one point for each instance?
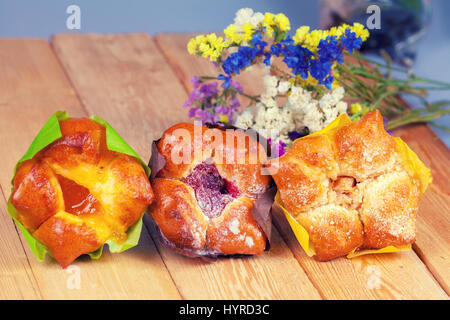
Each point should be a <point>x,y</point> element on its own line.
<point>212,191</point>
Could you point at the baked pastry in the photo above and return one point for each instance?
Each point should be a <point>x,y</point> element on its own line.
<point>351,187</point>
<point>75,194</point>
<point>205,205</point>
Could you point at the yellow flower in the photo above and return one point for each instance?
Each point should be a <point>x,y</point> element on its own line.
<point>268,22</point>
<point>248,29</point>
<point>223,118</point>
<point>308,81</point>
<point>200,38</point>
<point>357,107</point>
<point>337,31</point>
<point>231,32</point>
<point>300,34</point>
<point>312,39</point>
<point>360,31</point>
<point>335,73</point>
<point>282,22</point>
<point>209,46</point>
<point>269,19</point>
<point>192,46</point>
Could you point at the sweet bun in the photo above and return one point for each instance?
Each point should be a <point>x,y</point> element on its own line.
<point>350,188</point>
<point>76,194</point>
<point>204,204</point>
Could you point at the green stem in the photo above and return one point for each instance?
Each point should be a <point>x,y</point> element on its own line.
<point>245,95</point>
<point>421,118</point>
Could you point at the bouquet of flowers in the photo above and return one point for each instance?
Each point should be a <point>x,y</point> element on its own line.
<point>307,81</point>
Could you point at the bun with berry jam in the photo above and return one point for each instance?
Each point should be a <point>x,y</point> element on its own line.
<point>208,185</point>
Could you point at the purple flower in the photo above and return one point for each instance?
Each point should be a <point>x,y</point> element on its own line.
<point>293,135</point>
<point>223,110</point>
<point>204,98</point>
<point>195,112</point>
<point>278,147</point>
<point>209,89</point>
<point>385,122</point>
<point>236,85</point>
<point>209,117</point>
<point>195,81</point>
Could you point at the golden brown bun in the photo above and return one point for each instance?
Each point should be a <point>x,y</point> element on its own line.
<point>177,210</point>
<point>242,234</point>
<point>177,214</point>
<point>75,194</point>
<point>245,173</point>
<point>365,149</point>
<point>349,190</point>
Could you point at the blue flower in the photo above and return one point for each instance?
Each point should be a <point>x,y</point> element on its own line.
<point>256,42</point>
<point>329,50</point>
<point>267,57</point>
<point>319,70</point>
<point>293,135</point>
<point>239,60</point>
<point>350,41</point>
<point>327,82</point>
<point>226,82</point>
<point>276,49</point>
<point>296,57</point>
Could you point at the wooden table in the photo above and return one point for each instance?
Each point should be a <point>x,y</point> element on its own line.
<point>138,84</point>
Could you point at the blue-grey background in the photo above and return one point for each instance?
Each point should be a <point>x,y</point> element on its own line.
<point>33,18</point>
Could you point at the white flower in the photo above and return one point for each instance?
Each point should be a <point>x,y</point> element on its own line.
<point>339,93</point>
<point>283,87</point>
<point>299,97</point>
<point>299,111</point>
<point>284,138</point>
<point>257,18</point>
<point>270,81</point>
<point>246,15</point>
<point>270,93</point>
<point>243,16</point>
<point>268,101</point>
<point>260,116</point>
<point>341,107</point>
<point>244,120</point>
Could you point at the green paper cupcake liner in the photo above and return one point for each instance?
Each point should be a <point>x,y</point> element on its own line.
<point>49,133</point>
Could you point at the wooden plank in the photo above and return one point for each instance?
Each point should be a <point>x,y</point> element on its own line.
<point>384,276</point>
<point>32,86</point>
<point>402,275</point>
<point>125,79</point>
<point>433,221</point>
<point>16,277</point>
